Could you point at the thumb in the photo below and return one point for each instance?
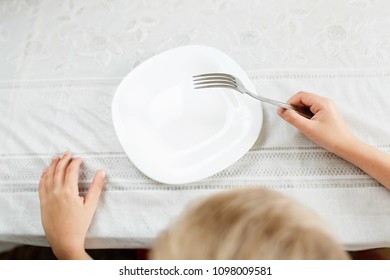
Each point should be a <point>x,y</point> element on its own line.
<point>93,194</point>
<point>295,119</point>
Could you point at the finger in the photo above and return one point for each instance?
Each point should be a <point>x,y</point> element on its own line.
<point>42,183</point>
<point>48,174</point>
<point>92,198</point>
<point>72,174</point>
<point>307,99</point>
<point>295,119</point>
<point>280,111</point>
<point>60,170</point>
<point>302,98</point>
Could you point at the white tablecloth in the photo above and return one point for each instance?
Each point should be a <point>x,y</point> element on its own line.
<point>61,61</point>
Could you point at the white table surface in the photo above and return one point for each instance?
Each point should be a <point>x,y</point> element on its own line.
<point>61,61</point>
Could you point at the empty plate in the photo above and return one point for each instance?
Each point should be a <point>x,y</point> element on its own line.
<point>175,134</point>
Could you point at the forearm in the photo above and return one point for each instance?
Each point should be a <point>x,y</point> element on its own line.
<point>371,160</point>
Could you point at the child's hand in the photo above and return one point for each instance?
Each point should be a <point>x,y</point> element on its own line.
<point>66,216</point>
<point>326,128</point>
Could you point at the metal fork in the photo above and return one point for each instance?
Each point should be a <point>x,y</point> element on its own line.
<point>222,80</point>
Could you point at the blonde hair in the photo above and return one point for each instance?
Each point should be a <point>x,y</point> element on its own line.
<point>254,223</point>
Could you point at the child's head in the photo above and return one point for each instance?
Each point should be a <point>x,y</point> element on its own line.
<point>248,224</point>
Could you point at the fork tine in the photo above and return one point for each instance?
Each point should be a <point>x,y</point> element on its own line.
<point>216,86</point>
<point>213,78</point>
<point>214,75</point>
<point>214,81</point>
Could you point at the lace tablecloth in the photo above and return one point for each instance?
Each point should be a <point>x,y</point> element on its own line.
<point>61,61</point>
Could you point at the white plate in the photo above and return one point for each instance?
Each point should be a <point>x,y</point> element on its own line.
<point>175,134</point>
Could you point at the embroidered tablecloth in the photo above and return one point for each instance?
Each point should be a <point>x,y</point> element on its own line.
<point>60,64</point>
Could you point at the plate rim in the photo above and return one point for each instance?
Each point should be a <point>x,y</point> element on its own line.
<point>177,180</point>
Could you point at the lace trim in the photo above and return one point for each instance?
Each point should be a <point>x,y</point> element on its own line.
<point>254,75</point>
<point>264,166</point>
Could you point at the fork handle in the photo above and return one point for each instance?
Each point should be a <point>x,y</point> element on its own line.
<point>302,110</point>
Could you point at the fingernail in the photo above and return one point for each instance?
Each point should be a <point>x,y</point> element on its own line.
<point>65,154</point>
<point>103,173</point>
<point>55,158</point>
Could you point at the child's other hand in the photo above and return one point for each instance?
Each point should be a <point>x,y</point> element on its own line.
<point>66,216</point>
<point>326,128</point>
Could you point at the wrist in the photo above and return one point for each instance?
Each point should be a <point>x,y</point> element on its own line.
<point>77,253</point>
<point>348,149</point>
<point>345,145</point>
